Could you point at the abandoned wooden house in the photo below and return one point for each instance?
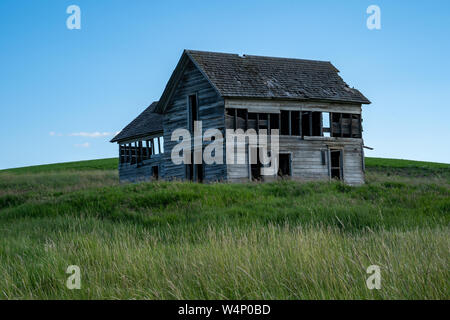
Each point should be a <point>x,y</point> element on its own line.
<point>318,116</point>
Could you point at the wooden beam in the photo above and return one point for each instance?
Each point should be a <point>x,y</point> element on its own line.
<point>246,119</point>
<point>235,119</point>
<point>351,125</point>
<point>139,159</point>
<point>321,124</point>
<point>340,124</point>
<point>159,145</point>
<point>300,117</point>
<point>279,122</point>
<point>360,126</point>
<point>290,122</point>
<point>310,123</point>
<point>268,123</point>
<point>257,123</point>
<point>331,124</point>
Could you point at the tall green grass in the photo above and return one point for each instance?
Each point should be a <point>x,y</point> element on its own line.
<point>283,240</point>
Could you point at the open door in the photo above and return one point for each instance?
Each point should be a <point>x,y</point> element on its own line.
<point>336,164</point>
<point>284,165</point>
<point>255,165</point>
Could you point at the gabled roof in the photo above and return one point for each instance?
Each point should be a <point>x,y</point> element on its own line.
<point>257,77</point>
<point>148,122</point>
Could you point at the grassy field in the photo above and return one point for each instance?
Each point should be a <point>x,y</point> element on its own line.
<point>284,240</point>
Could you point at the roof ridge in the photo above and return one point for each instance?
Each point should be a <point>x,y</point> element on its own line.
<point>258,56</point>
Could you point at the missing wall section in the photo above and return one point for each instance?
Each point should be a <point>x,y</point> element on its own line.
<point>137,152</point>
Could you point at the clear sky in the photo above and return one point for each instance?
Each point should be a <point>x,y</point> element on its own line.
<point>64,93</point>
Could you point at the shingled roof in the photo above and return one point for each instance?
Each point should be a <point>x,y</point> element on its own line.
<point>147,122</point>
<point>277,78</point>
<point>259,77</point>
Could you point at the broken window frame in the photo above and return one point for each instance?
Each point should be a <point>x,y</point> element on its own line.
<point>298,123</point>
<point>137,151</point>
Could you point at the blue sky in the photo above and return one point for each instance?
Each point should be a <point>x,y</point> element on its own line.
<point>59,88</point>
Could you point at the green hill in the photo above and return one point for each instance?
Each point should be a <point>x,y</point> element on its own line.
<point>167,240</point>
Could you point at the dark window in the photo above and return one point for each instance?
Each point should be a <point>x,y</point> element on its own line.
<point>295,123</point>
<point>284,123</point>
<point>306,123</point>
<point>241,115</point>
<point>274,121</point>
<point>317,123</point>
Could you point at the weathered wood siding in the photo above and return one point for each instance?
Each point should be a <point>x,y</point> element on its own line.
<point>353,164</point>
<point>306,159</point>
<point>142,172</point>
<point>211,113</point>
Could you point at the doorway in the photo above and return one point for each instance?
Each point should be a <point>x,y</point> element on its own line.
<point>255,166</point>
<point>336,164</point>
<point>155,172</point>
<point>284,167</point>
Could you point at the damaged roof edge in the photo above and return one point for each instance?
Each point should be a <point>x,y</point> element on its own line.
<point>146,123</point>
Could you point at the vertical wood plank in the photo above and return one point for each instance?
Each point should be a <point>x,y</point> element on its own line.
<point>257,123</point>
<point>246,119</point>
<point>159,145</point>
<point>139,160</point>
<point>310,114</point>
<point>321,124</point>
<point>351,125</point>
<point>290,122</point>
<point>300,127</point>
<point>331,124</point>
<point>279,122</point>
